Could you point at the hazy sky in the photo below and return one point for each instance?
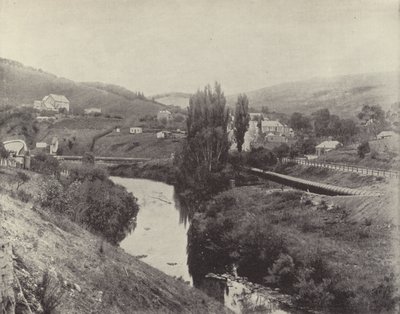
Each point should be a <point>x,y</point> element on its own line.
<point>172,45</point>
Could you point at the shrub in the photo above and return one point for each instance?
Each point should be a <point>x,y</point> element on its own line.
<point>22,178</point>
<point>363,149</point>
<point>283,272</point>
<point>45,164</point>
<point>49,293</point>
<point>23,196</point>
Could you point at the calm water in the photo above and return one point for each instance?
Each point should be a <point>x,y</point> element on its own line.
<point>160,240</point>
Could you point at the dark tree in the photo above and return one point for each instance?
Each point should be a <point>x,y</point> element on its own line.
<point>22,178</point>
<point>373,118</point>
<point>265,109</point>
<point>321,122</point>
<point>4,153</point>
<point>299,122</point>
<point>242,119</point>
<point>205,151</point>
<point>88,158</point>
<point>363,149</point>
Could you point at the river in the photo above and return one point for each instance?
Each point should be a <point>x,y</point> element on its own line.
<point>160,239</point>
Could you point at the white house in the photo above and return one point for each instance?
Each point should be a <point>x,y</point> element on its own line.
<point>117,130</point>
<point>92,110</point>
<point>52,102</point>
<point>135,130</point>
<point>164,134</point>
<point>386,134</point>
<point>276,138</point>
<point>41,145</point>
<point>164,114</point>
<point>327,146</point>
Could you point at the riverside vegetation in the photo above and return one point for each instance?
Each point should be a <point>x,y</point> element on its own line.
<point>281,239</point>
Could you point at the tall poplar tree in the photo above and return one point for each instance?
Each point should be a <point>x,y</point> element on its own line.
<point>242,119</point>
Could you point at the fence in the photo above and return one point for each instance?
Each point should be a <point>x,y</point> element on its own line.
<point>8,162</point>
<point>345,168</point>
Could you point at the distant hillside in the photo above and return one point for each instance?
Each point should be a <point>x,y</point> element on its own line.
<point>173,99</point>
<point>22,85</point>
<point>343,95</point>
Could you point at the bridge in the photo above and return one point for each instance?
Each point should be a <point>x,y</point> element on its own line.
<point>108,160</point>
<point>307,185</point>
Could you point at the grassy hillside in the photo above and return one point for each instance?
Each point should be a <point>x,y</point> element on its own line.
<point>23,85</point>
<point>173,99</point>
<point>343,95</point>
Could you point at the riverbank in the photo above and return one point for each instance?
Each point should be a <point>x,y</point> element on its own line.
<point>94,276</point>
<point>157,169</point>
<point>330,253</point>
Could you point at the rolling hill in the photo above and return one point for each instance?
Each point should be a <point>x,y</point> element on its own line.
<point>342,95</point>
<point>22,85</point>
<point>173,99</point>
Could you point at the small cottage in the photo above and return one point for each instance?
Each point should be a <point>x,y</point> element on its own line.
<point>92,110</point>
<point>135,130</point>
<point>164,134</point>
<point>327,146</point>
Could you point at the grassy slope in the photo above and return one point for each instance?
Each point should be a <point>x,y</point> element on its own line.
<point>174,99</point>
<point>361,252</point>
<point>111,282</point>
<point>135,145</point>
<point>343,95</point>
<point>384,155</point>
<point>23,85</point>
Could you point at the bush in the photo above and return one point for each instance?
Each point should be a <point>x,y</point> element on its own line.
<point>49,293</point>
<point>283,272</point>
<point>23,196</point>
<point>363,149</point>
<point>45,164</point>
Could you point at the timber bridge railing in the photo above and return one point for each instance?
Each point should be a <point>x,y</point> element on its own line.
<point>345,168</point>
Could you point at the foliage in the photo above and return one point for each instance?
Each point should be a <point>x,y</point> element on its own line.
<point>205,151</point>
<point>242,119</point>
<point>46,164</point>
<point>299,122</point>
<point>281,151</point>
<point>260,158</point>
<point>92,200</point>
<point>88,158</point>
<point>373,118</point>
<point>22,178</point>
<point>363,149</point>
<point>3,152</point>
<point>49,293</point>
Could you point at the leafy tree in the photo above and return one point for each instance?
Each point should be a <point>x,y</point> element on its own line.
<point>88,158</point>
<point>281,151</point>
<point>373,118</point>
<point>242,119</point>
<point>299,122</point>
<point>321,121</point>
<point>205,150</point>
<point>45,164</point>
<point>3,152</point>
<point>363,149</point>
<point>22,178</point>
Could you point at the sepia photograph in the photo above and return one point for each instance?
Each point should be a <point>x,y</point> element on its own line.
<point>199,156</point>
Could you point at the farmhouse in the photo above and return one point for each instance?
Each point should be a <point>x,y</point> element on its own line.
<point>135,130</point>
<point>327,146</point>
<point>276,128</point>
<point>52,102</point>
<point>276,138</point>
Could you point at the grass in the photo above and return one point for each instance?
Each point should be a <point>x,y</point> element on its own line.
<point>358,254</point>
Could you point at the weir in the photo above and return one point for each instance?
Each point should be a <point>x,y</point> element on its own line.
<point>307,185</point>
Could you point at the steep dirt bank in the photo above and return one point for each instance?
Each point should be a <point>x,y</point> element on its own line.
<point>95,278</point>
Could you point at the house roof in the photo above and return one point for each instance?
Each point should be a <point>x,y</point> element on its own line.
<point>271,123</point>
<point>328,144</point>
<point>60,98</point>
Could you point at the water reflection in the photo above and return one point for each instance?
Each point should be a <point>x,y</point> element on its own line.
<point>161,240</point>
